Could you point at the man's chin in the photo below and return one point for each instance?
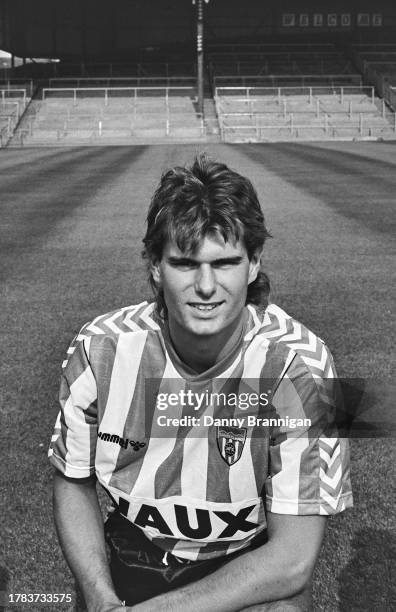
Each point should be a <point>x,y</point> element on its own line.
<point>205,328</point>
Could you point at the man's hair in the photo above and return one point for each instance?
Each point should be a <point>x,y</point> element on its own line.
<point>206,198</point>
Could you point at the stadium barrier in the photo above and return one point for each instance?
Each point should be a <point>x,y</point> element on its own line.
<point>99,130</point>
<point>80,82</point>
<point>135,91</point>
<point>248,92</point>
<point>9,94</point>
<point>116,69</point>
<point>11,84</point>
<point>11,108</point>
<point>259,132</point>
<point>303,80</point>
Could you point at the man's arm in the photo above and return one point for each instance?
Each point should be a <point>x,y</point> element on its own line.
<point>79,525</point>
<point>277,570</point>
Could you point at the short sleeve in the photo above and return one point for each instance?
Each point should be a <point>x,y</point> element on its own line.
<point>309,463</point>
<point>73,443</point>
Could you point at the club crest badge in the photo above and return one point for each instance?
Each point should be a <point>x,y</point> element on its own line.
<point>230,441</point>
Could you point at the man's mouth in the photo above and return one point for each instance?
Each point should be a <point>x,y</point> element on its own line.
<point>205,307</point>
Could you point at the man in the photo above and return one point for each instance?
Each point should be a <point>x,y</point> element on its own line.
<point>216,513</point>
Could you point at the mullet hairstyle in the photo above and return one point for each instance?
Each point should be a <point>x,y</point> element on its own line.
<point>206,198</point>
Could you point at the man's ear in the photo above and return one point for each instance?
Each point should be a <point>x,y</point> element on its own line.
<point>254,265</point>
<point>155,271</point>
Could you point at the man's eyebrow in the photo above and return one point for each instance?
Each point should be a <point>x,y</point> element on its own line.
<point>233,260</point>
<point>174,259</point>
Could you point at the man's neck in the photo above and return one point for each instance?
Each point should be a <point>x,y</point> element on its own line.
<point>202,352</point>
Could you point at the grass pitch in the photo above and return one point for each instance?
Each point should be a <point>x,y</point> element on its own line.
<point>71,227</point>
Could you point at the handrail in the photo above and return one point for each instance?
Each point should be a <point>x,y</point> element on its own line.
<point>134,81</point>
<point>302,78</point>
<point>8,83</point>
<point>16,111</point>
<point>289,76</point>
<point>292,128</point>
<point>110,69</point>
<point>135,90</point>
<point>279,91</point>
<point>3,93</point>
<point>168,124</point>
<point>120,78</point>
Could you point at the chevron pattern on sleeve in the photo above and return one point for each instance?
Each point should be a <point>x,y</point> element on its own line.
<point>280,327</point>
<point>125,320</point>
<point>330,473</point>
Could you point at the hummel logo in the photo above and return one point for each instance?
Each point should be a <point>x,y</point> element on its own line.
<point>123,442</point>
<point>137,445</point>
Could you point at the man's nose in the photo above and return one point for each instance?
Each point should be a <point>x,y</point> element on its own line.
<point>205,281</point>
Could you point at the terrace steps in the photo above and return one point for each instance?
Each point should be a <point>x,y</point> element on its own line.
<point>121,120</point>
<point>332,115</point>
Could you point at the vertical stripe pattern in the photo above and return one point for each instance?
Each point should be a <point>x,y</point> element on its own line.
<point>201,491</point>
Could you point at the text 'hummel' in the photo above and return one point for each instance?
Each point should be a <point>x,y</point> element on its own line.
<point>123,442</point>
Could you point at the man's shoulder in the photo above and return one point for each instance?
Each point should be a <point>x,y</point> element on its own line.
<point>126,320</point>
<point>287,334</point>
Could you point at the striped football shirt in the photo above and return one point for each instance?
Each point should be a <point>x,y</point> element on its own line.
<point>201,489</point>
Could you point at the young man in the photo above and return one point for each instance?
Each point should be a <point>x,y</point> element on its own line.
<point>221,512</point>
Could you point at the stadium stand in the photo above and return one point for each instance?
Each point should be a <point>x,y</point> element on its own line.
<point>253,92</point>
<point>312,93</point>
<point>305,113</point>
<point>111,115</point>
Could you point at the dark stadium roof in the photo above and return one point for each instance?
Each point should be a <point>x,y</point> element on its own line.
<point>92,29</point>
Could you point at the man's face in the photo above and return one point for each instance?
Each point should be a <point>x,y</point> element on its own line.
<point>205,292</point>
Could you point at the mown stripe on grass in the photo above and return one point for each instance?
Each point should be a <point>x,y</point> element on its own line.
<point>356,187</point>
<point>34,202</point>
